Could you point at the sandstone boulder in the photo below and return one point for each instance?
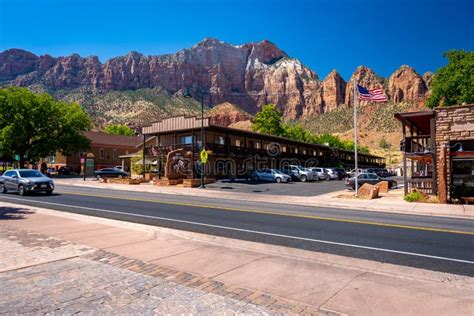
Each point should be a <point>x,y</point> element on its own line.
<point>368,191</point>
<point>383,186</point>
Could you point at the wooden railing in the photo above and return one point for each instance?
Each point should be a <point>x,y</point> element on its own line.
<point>418,144</point>
<point>424,185</point>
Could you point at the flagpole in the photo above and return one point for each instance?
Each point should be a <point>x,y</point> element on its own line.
<point>355,141</point>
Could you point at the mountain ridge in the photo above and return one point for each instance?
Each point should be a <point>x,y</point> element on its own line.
<point>248,75</point>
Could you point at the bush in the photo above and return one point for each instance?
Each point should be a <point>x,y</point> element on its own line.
<point>415,196</point>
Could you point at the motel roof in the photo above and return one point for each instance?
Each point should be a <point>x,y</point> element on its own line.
<point>184,123</point>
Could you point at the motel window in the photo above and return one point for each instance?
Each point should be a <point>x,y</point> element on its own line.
<point>114,154</point>
<point>296,150</point>
<point>257,145</point>
<point>283,149</point>
<point>238,143</point>
<point>219,140</point>
<point>304,151</point>
<point>314,153</point>
<point>188,139</point>
<point>102,153</point>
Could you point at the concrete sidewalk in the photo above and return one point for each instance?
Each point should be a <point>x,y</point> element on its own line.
<point>392,203</point>
<point>279,279</point>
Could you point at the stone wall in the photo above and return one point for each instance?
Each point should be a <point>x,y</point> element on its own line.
<point>454,123</point>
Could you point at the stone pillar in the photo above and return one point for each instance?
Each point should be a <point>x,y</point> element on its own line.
<point>442,174</point>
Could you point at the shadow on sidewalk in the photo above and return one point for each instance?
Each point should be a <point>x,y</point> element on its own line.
<point>9,213</point>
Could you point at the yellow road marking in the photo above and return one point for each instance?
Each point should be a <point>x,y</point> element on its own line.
<point>235,209</point>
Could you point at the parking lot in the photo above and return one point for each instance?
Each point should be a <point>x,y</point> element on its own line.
<point>293,188</point>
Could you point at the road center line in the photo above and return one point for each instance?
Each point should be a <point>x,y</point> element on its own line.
<point>267,212</point>
<point>252,231</point>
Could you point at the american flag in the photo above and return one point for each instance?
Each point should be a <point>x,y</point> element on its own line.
<point>374,95</point>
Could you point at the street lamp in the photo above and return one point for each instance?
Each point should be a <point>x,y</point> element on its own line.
<point>200,93</point>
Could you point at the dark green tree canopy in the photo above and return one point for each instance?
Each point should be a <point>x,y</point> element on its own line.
<point>118,129</point>
<point>454,84</point>
<point>35,125</point>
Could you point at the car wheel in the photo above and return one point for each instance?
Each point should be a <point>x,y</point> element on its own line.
<point>303,178</point>
<point>3,188</point>
<point>256,178</point>
<point>97,177</point>
<point>278,180</point>
<point>21,190</point>
<point>120,176</point>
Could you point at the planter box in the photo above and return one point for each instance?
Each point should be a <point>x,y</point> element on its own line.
<point>194,183</point>
<point>167,182</point>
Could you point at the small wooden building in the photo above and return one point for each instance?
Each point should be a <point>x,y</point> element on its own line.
<point>438,151</point>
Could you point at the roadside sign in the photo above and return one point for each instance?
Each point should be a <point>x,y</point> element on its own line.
<point>204,155</point>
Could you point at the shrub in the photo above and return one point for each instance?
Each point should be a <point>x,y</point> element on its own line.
<point>415,196</point>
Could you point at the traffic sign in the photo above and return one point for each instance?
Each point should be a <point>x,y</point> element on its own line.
<point>204,155</point>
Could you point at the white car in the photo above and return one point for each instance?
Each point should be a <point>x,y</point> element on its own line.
<point>332,174</point>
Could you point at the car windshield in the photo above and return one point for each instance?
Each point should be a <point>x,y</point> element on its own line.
<point>31,174</point>
<point>277,171</point>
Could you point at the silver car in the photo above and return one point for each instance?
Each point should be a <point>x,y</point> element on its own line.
<point>299,173</point>
<point>321,173</point>
<point>271,175</point>
<point>25,181</point>
<point>332,174</point>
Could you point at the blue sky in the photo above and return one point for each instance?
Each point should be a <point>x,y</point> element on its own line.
<point>324,35</point>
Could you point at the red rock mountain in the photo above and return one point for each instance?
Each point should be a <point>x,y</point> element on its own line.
<point>248,75</point>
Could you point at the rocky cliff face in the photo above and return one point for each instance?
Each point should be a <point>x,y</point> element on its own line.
<point>227,114</point>
<point>406,85</point>
<point>365,77</point>
<point>248,75</point>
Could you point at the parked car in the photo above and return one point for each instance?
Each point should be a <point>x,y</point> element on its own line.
<point>352,172</point>
<point>341,173</point>
<point>371,178</point>
<point>110,173</point>
<point>381,172</point>
<point>65,170</point>
<point>299,173</point>
<point>271,175</point>
<point>320,173</point>
<point>333,175</point>
<point>25,181</point>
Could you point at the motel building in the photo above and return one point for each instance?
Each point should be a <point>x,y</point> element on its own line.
<point>235,153</point>
<point>438,152</point>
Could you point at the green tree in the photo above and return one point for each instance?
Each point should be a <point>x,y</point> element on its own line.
<point>297,132</point>
<point>454,84</point>
<point>268,121</point>
<point>118,129</point>
<point>384,144</point>
<point>35,125</point>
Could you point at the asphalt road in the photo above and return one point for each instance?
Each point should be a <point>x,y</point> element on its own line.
<point>294,188</point>
<point>435,243</point>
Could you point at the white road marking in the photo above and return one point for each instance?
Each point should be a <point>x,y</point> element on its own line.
<point>250,231</point>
